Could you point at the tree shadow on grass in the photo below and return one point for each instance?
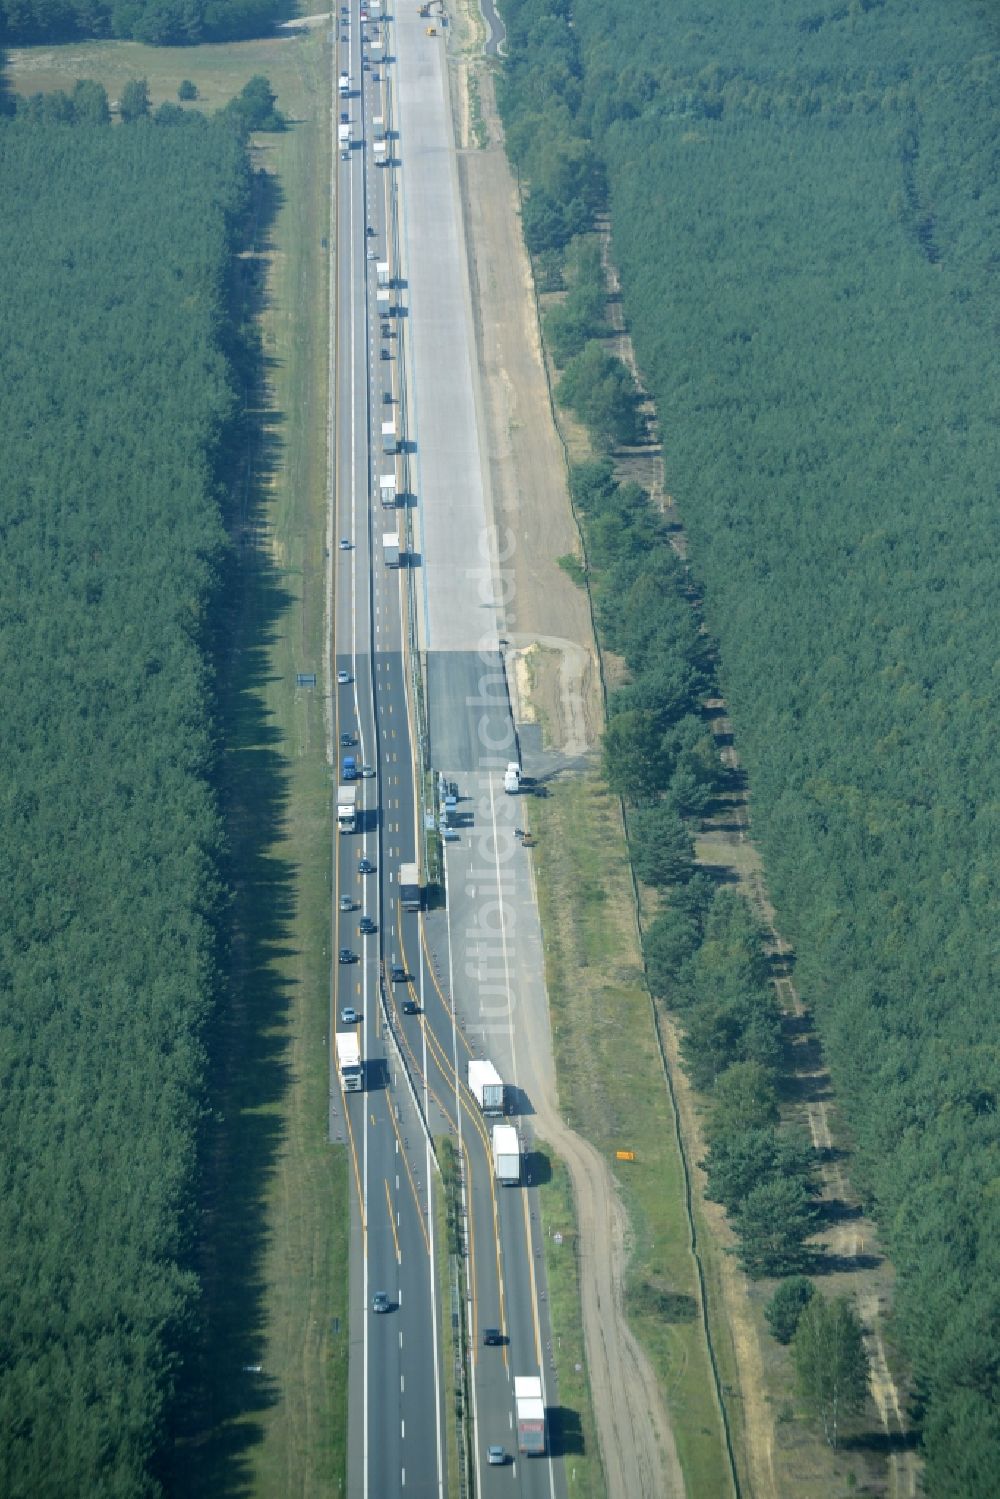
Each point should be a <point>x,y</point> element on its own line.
<point>223,1382</point>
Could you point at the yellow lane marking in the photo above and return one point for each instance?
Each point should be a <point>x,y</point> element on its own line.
<point>413,1185</point>
<point>534,1286</point>
<point>357,1170</point>
<point>392,1222</point>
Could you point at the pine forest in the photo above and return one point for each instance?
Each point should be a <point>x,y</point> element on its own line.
<point>115,400</point>
<point>804,209</point>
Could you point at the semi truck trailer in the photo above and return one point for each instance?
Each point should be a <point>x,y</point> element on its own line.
<point>506,1155</point>
<point>390,548</point>
<point>349,1061</point>
<point>530,1414</point>
<point>347,807</point>
<point>486,1087</point>
<point>409,887</point>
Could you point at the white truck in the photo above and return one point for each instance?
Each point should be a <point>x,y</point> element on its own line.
<point>506,1155</point>
<point>383,302</point>
<point>530,1414</point>
<point>378,126</point>
<point>409,887</point>
<point>344,134</point>
<point>486,1087</point>
<point>349,1061</point>
<point>382,272</point>
<point>390,548</point>
<point>512,777</point>
<point>390,442</point>
<point>347,807</point>
<point>381,151</point>
<point>344,84</point>
<point>387,491</point>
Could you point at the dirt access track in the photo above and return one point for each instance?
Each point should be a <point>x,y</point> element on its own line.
<point>552,652</point>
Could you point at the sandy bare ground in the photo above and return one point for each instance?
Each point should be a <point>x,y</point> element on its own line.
<point>637,1442</point>
<point>527,464</point>
<point>548,622</point>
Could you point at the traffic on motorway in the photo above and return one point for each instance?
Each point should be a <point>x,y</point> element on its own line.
<point>405,1077</point>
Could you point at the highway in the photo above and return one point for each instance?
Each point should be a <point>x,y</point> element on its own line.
<point>396,1429</point>
<point>401,352</point>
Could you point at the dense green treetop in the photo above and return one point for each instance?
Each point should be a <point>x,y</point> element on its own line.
<point>805,207</point>
<point>160,22</point>
<point>114,397</point>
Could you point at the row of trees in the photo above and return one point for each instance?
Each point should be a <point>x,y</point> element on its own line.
<point>804,209</point>
<point>114,403</point>
<point>159,22</point>
<point>704,950</point>
<point>253,108</point>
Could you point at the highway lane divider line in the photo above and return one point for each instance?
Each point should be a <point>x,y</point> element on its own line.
<point>392,1222</point>
<point>534,1283</point>
<point>409,1174</point>
<point>357,1171</point>
<point>436,982</point>
<point>471,1108</point>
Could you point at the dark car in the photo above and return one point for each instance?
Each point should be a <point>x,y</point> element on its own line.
<point>347,956</point>
<point>365,866</point>
<point>370,232</point>
<point>492,1337</point>
<point>410,1007</point>
<point>397,973</point>
<point>384,354</point>
<point>367,926</point>
<point>346,740</point>
<point>386,330</point>
<point>380,1301</point>
<point>345,118</point>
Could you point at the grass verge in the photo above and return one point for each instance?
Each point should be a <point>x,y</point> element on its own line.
<point>584,1472</point>
<point>612,1091</point>
<point>267,1412</point>
<point>299,1437</point>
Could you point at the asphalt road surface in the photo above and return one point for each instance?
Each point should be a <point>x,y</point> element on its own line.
<point>420,374</point>
<point>396,1428</point>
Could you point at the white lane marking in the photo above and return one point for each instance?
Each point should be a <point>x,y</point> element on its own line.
<point>461,1147</point>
